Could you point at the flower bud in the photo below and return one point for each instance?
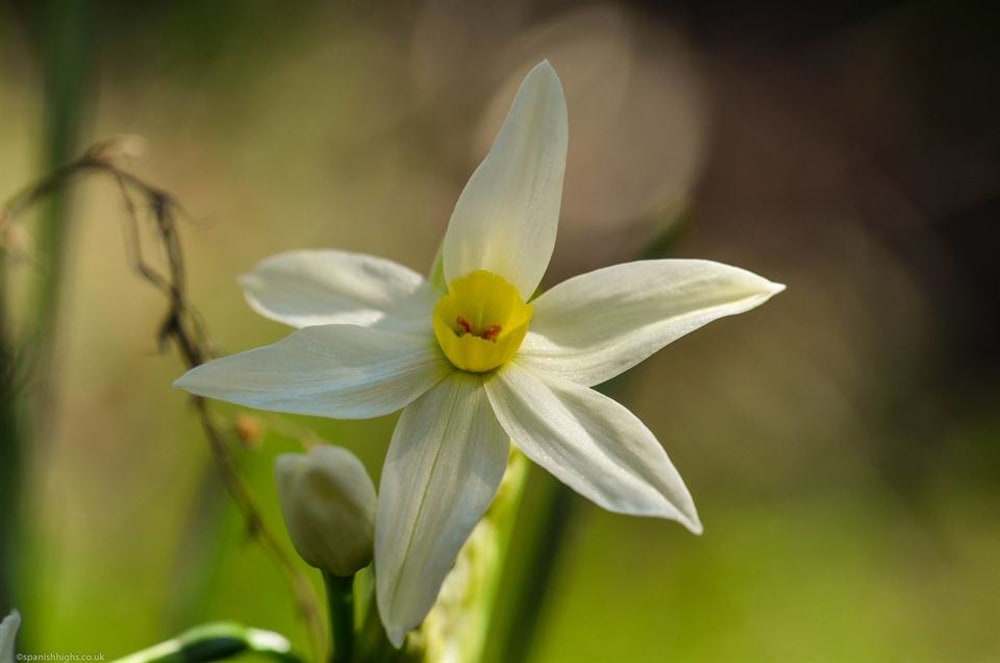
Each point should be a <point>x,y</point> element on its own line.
<point>8,633</point>
<point>328,501</point>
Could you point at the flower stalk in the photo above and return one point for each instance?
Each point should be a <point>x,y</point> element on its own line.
<point>340,608</point>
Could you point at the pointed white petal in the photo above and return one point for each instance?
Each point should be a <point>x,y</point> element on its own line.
<point>304,288</point>
<point>505,220</point>
<point>597,325</point>
<point>338,371</point>
<point>8,636</point>
<point>591,443</point>
<point>443,468</point>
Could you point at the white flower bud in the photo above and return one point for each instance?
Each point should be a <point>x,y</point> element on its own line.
<point>328,501</point>
<point>8,633</point>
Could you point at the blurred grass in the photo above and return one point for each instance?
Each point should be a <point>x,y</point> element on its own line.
<point>820,578</point>
<point>790,424</point>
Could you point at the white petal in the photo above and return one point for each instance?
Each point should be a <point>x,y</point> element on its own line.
<point>591,443</point>
<point>597,325</point>
<point>338,371</point>
<point>8,636</point>
<point>443,468</point>
<point>505,220</point>
<point>304,288</point>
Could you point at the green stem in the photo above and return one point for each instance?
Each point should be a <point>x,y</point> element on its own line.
<point>545,543</point>
<point>215,642</point>
<point>68,56</point>
<point>340,604</point>
<point>372,644</point>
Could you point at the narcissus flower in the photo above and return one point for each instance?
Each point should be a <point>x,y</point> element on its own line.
<point>8,636</point>
<point>475,360</point>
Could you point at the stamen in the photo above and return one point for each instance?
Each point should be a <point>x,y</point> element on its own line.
<point>491,333</point>
<point>466,328</point>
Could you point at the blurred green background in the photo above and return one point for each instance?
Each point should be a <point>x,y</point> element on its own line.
<point>842,442</point>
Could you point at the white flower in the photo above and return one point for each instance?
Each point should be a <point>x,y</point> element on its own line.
<point>8,636</point>
<point>474,365</point>
<point>328,502</point>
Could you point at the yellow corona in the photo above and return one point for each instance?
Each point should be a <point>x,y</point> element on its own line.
<point>481,322</point>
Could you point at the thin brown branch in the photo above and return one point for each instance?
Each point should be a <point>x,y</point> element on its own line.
<point>181,327</point>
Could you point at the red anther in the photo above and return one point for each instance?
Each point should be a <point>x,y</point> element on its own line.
<point>492,332</point>
<point>464,325</point>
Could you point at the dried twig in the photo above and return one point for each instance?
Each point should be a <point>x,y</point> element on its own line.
<point>182,327</point>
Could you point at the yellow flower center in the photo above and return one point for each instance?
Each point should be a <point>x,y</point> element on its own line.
<point>481,322</point>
